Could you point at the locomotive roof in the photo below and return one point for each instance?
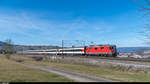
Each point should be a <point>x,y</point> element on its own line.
<point>45,49</point>
<point>55,49</point>
<point>72,48</point>
<point>101,45</point>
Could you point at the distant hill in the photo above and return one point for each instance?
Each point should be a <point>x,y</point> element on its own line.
<point>1,43</point>
<point>29,47</point>
<point>41,47</point>
<point>131,49</point>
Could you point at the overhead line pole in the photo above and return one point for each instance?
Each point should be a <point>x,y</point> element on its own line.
<point>62,48</point>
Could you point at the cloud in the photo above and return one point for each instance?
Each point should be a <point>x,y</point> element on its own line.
<point>31,28</point>
<point>133,45</point>
<point>37,30</point>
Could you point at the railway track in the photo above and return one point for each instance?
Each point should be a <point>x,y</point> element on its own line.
<point>116,58</point>
<point>98,57</point>
<point>127,59</point>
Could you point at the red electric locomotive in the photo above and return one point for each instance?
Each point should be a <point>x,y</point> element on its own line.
<point>101,50</point>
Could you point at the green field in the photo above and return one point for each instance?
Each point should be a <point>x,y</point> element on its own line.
<point>11,71</point>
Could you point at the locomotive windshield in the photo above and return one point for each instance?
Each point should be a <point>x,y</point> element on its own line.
<point>112,47</point>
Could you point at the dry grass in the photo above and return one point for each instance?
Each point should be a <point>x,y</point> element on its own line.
<point>11,71</point>
<point>104,70</point>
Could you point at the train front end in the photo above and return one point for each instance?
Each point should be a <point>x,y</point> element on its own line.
<point>113,50</point>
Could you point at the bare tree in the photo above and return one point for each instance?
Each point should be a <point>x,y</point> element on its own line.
<point>8,48</point>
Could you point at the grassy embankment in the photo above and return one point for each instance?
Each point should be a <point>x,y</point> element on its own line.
<point>11,71</point>
<point>114,73</point>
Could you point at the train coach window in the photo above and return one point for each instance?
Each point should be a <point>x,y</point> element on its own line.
<point>90,48</point>
<point>102,47</point>
<point>95,48</point>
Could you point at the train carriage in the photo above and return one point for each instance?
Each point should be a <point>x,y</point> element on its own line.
<point>100,50</point>
<point>42,52</point>
<point>71,51</point>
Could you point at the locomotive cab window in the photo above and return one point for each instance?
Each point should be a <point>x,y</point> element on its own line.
<point>102,48</point>
<point>111,47</point>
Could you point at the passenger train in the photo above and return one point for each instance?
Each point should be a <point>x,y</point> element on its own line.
<point>99,50</point>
